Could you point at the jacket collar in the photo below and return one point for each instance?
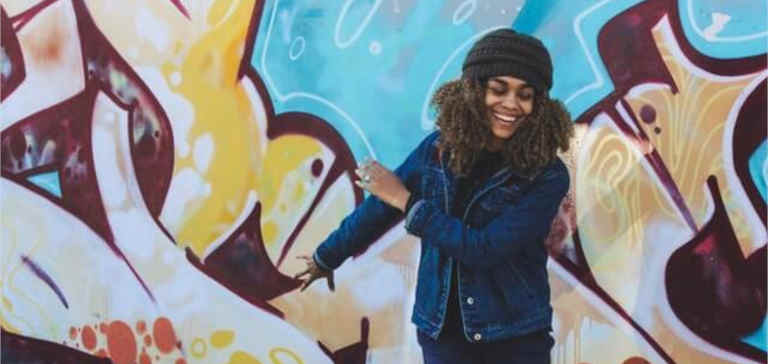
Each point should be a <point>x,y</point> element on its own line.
<point>503,174</point>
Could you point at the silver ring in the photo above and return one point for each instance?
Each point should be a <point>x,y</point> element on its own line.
<point>367,178</point>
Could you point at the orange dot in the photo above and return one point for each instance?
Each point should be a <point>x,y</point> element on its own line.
<point>103,328</point>
<point>121,343</point>
<point>89,338</point>
<point>141,326</point>
<point>72,333</point>
<point>165,338</point>
<point>180,361</point>
<point>147,340</point>
<point>144,359</point>
<point>636,360</point>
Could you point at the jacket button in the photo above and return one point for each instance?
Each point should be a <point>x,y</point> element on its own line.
<point>470,300</point>
<point>477,337</point>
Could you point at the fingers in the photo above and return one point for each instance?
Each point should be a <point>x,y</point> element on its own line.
<point>329,278</point>
<point>377,171</point>
<point>360,172</point>
<point>369,167</point>
<point>312,273</point>
<point>363,172</point>
<point>363,167</point>
<point>307,283</point>
<point>331,283</point>
<point>370,170</point>
<point>299,275</point>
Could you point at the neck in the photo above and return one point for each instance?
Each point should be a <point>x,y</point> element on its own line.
<point>495,145</point>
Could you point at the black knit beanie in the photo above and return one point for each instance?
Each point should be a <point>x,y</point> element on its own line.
<point>505,52</point>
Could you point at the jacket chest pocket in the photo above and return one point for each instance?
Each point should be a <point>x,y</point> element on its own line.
<point>495,200</point>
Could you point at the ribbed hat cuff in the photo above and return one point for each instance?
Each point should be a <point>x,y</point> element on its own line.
<point>488,70</point>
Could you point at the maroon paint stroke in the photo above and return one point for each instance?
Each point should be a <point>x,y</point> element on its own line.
<point>20,349</point>
<point>352,354</point>
<point>151,137</point>
<point>11,49</point>
<point>749,133</point>
<point>180,7</point>
<point>242,265</point>
<point>709,283</point>
<point>24,17</point>
<point>759,271</point>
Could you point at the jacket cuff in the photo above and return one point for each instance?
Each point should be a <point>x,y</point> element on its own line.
<point>418,217</point>
<point>320,263</point>
<point>409,204</point>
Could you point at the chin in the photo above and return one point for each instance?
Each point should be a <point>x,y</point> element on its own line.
<point>503,134</point>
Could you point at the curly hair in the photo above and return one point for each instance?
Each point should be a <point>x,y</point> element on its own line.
<point>464,123</point>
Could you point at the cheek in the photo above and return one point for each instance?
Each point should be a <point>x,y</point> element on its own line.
<point>490,100</point>
<point>527,107</point>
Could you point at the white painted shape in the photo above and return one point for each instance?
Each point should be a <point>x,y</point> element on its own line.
<point>733,39</point>
<point>360,28</point>
<point>375,48</point>
<point>47,81</point>
<point>639,90</point>
<point>186,187</point>
<point>58,241</point>
<point>297,48</point>
<point>379,288</point>
<point>592,64</point>
<point>736,187</point>
<point>152,29</point>
<point>176,78</point>
<point>204,150</point>
<point>259,112</point>
<point>464,11</point>
<point>112,184</point>
<point>719,20</point>
<point>107,156</point>
<point>134,227</point>
<point>627,119</point>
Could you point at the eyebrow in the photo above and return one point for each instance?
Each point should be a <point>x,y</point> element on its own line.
<point>505,83</point>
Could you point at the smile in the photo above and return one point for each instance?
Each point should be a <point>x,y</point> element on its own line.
<point>506,119</point>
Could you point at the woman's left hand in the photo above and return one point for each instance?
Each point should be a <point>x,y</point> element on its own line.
<point>382,183</point>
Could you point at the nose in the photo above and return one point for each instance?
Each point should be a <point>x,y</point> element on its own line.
<point>511,102</point>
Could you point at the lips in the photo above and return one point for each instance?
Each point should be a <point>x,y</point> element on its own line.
<point>507,120</point>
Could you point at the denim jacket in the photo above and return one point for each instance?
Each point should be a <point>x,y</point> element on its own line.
<point>497,245</point>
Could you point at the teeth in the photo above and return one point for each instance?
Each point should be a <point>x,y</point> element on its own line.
<point>505,118</point>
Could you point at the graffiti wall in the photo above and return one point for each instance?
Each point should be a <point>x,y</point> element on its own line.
<point>164,163</point>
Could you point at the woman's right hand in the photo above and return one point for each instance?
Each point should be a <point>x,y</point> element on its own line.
<point>313,272</point>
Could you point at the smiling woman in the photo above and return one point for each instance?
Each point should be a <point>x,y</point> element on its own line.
<point>506,114</point>
<point>481,194</point>
<point>509,101</point>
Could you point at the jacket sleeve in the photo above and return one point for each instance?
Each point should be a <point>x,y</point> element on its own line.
<point>525,222</point>
<point>371,218</point>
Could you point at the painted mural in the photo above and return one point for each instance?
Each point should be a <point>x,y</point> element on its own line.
<point>164,163</point>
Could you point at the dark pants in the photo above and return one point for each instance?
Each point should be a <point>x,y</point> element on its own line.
<point>453,348</point>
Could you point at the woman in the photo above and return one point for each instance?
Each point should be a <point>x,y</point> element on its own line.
<point>481,193</point>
